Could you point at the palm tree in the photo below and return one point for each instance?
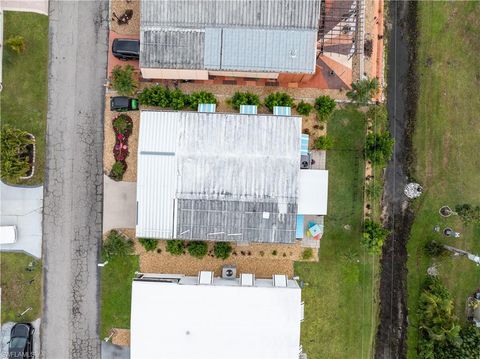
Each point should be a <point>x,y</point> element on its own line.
<point>363,90</point>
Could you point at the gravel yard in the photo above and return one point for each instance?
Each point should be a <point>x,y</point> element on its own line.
<point>118,7</point>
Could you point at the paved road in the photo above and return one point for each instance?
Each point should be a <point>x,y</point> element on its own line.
<point>73,184</point>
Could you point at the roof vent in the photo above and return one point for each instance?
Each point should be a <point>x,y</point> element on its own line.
<point>293,54</point>
<point>247,280</point>
<point>280,280</point>
<point>205,277</point>
<point>229,272</point>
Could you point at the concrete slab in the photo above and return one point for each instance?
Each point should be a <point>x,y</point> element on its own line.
<point>119,204</point>
<point>38,6</point>
<point>22,207</point>
<point>112,351</point>
<point>5,338</point>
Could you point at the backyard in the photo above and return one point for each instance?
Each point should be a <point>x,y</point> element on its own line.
<point>24,95</point>
<point>446,142</point>
<point>340,290</point>
<point>21,287</point>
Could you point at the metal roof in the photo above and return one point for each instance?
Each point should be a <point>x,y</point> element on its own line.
<point>279,14</point>
<point>205,157</point>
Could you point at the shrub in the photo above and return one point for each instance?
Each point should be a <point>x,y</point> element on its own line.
<point>118,170</point>
<point>307,254</point>
<point>304,108</point>
<point>197,249</point>
<point>244,98</point>
<point>274,252</point>
<point>197,98</point>
<point>222,250</point>
<point>324,105</point>
<point>323,143</point>
<point>278,99</point>
<point>178,100</point>
<point>468,213</point>
<point>374,190</point>
<point>363,90</point>
<point>374,236</point>
<point>434,249</point>
<point>123,81</point>
<point>16,43</point>
<point>149,244</point>
<point>14,147</point>
<point>123,124</point>
<point>379,147</point>
<point>116,245</point>
<point>175,247</point>
<point>155,96</point>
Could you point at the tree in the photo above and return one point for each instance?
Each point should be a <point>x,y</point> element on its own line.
<point>323,143</point>
<point>379,147</point>
<point>175,247</point>
<point>304,108</point>
<point>324,105</point>
<point>468,213</point>
<point>116,245</point>
<point>374,236</point>
<point>278,99</point>
<point>197,249</point>
<point>244,98</point>
<point>16,43</point>
<point>222,250</point>
<point>148,243</point>
<point>434,249</point>
<point>123,81</point>
<point>197,98</point>
<point>14,150</point>
<point>363,90</point>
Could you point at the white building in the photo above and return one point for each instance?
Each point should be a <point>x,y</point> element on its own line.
<point>175,316</point>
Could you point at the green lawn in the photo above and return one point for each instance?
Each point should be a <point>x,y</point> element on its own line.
<point>340,311</point>
<point>21,289</point>
<point>24,94</point>
<point>446,143</point>
<point>116,293</point>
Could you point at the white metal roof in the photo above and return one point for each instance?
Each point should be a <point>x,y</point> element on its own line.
<point>189,321</point>
<point>313,192</point>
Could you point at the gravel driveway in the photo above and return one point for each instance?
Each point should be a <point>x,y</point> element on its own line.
<point>73,185</point>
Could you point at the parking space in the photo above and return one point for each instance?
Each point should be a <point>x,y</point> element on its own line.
<point>5,338</point>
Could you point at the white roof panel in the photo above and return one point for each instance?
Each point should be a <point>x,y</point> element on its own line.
<point>313,192</point>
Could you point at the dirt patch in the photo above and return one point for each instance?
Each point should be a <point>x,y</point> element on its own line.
<point>118,8</point>
<point>121,337</point>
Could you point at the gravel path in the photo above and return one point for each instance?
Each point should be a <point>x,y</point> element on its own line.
<point>73,185</point>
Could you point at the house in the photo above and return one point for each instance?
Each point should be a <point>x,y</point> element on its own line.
<point>206,317</point>
<point>224,177</point>
<point>193,39</point>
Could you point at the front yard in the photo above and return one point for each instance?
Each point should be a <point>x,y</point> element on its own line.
<point>24,94</point>
<point>340,291</point>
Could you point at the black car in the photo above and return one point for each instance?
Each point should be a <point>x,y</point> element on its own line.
<point>126,49</point>
<point>123,103</point>
<point>21,341</point>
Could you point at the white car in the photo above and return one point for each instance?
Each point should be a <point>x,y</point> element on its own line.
<point>8,234</point>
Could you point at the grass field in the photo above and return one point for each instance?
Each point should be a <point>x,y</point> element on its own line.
<point>446,144</point>
<point>21,289</point>
<point>24,94</point>
<point>116,293</point>
<point>340,313</point>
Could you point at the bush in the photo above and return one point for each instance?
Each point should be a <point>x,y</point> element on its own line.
<point>197,249</point>
<point>468,213</point>
<point>363,90</point>
<point>14,150</point>
<point>123,124</point>
<point>274,252</point>
<point>307,254</point>
<point>148,243</point>
<point>374,236</point>
<point>324,105</point>
<point>175,247</point>
<point>118,170</point>
<point>155,96</point>
<point>122,80</point>
<point>116,245</point>
<point>178,100</point>
<point>197,98</point>
<point>374,190</point>
<point>323,143</point>
<point>16,43</point>
<point>379,147</point>
<point>244,98</point>
<point>222,250</point>
<point>278,99</point>
<point>304,108</point>
<point>434,249</point>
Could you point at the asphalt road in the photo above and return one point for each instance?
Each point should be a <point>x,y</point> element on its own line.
<point>73,185</point>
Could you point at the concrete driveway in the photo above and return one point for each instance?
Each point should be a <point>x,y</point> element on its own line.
<point>5,338</point>
<point>119,204</point>
<point>22,207</point>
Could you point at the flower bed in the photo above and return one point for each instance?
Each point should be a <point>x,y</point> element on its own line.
<point>122,126</point>
<point>29,155</point>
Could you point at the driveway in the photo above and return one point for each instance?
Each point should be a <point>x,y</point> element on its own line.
<point>72,221</point>
<point>5,338</point>
<point>22,207</point>
<point>120,204</point>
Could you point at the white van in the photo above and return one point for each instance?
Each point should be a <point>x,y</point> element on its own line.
<point>8,234</point>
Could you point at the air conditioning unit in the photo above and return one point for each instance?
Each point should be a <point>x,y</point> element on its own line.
<point>305,162</point>
<point>229,272</point>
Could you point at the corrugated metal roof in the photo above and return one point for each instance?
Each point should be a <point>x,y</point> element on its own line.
<point>283,14</point>
<point>202,158</point>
